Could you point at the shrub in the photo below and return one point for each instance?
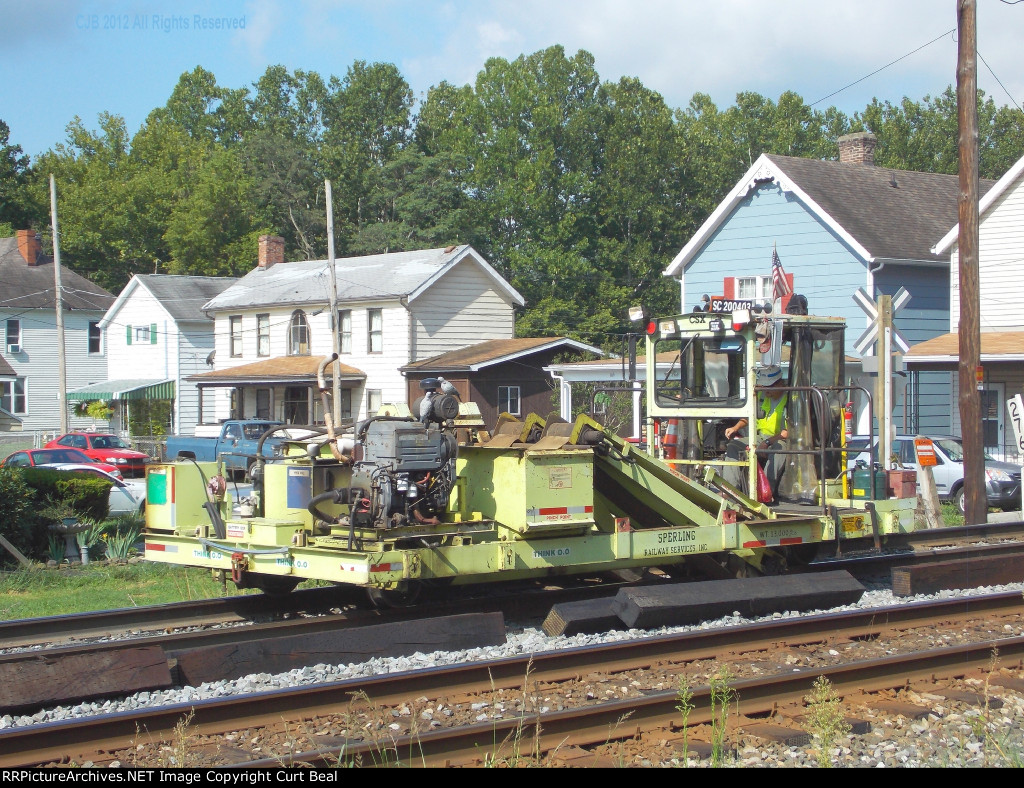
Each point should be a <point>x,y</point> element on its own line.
<point>15,521</point>
<point>86,494</point>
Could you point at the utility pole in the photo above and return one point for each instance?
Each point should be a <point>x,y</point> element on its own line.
<point>62,373</point>
<point>975,500</point>
<point>335,339</point>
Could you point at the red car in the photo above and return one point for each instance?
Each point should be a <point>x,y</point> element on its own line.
<point>104,448</point>
<point>30,458</point>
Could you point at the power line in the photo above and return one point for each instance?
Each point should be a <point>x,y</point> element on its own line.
<point>883,68</point>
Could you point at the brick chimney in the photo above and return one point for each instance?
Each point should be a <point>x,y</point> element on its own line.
<point>271,250</point>
<point>28,245</point>
<point>858,148</point>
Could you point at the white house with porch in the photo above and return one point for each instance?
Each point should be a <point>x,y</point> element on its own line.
<point>274,325</point>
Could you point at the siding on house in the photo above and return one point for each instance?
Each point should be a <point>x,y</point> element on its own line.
<point>823,267</point>
<point>459,310</point>
<point>155,357</point>
<point>923,317</point>
<point>1000,269</point>
<point>195,342</point>
<point>828,273</point>
<point>37,363</point>
<point>381,368</point>
<point>431,302</point>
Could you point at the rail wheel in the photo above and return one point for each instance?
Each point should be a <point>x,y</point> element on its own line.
<point>404,596</point>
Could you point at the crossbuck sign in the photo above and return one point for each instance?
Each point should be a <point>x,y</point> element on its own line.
<point>867,339</point>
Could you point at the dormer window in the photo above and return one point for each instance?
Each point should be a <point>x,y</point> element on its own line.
<point>298,334</point>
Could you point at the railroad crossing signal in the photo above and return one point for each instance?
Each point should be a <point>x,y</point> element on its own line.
<point>867,339</point>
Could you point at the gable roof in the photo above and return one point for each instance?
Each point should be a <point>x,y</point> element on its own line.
<point>883,214</point>
<point>495,351</point>
<point>5,368</point>
<point>377,277</point>
<point>182,296</point>
<point>1003,185</point>
<point>32,286</point>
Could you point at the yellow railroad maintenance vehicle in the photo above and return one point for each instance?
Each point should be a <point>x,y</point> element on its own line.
<point>425,495</point>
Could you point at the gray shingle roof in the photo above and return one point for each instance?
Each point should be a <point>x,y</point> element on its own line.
<point>183,296</point>
<point>893,214</point>
<point>372,277</point>
<point>32,287</point>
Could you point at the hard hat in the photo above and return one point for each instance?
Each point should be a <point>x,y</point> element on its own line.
<point>766,376</point>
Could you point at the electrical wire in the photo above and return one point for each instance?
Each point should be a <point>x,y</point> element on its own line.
<point>883,68</point>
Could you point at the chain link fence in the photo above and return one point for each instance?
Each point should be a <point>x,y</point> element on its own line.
<point>10,442</point>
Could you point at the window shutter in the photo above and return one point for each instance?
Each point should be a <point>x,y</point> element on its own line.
<point>729,288</point>
<point>129,335</point>
<point>152,333</point>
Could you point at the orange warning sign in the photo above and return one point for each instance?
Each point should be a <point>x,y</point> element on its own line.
<point>925,452</point>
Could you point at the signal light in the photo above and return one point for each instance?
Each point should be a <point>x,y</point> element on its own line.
<point>651,327</point>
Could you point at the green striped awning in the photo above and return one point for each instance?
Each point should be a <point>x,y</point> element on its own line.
<point>124,389</point>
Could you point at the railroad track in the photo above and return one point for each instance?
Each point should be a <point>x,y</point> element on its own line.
<point>250,609</point>
<point>327,708</point>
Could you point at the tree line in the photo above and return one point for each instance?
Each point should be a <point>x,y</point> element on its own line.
<point>578,190</point>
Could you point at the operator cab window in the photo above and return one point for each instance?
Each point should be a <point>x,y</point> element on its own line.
<point>699,371</point>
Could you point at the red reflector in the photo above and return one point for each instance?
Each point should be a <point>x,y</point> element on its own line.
<point>755,544</point>
<point>156,548</point>
<point>792,540</point>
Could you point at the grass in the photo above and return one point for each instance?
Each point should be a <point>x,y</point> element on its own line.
<point>32,593</point>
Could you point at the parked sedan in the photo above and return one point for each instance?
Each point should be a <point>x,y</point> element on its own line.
<point>104,447</point>
<point>124,498</point>
<point>30,458</point>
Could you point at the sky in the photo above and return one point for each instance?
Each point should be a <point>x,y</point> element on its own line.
<point>66,58</point>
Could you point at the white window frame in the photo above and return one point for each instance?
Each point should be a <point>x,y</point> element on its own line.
<point>505,400</point>
<point>374,399</point>
<point>344,330</point>
<point>375,333</point>
<point>297,326</point>
<point>142,335</point>
<point>13,337</point>
<point>761,285</point>
<point>10,395</point>
<point>94,325</point>
<point>235,333</point>
<point>263,335</point>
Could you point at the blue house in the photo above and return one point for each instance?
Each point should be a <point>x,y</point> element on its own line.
<point>837,227</point>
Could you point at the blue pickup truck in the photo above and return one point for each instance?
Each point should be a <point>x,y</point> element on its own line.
<point>235,442</point>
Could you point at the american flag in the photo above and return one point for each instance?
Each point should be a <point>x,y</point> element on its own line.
<point>780,285</point>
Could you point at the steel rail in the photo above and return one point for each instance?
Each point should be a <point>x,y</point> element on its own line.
<point>76,739</point>
<point>29,631</point>
<point>599,724</point>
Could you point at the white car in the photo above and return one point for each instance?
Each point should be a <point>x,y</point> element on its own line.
<point>124,498</point>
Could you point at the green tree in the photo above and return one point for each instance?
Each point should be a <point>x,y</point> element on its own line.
<point>17,209</point>
<point>214,228</point>
<point>367,120</point>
